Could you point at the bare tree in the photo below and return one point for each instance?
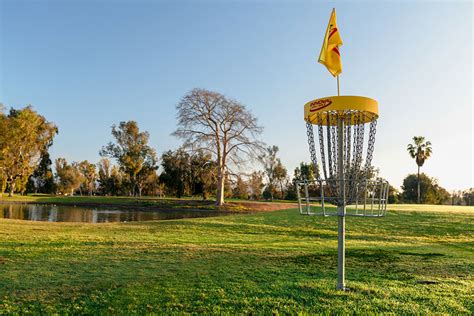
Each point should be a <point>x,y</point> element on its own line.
<point>211,122</point>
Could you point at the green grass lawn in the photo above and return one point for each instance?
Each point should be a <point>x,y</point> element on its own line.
<point>418,259</point>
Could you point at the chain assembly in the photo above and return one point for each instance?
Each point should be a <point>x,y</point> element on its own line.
<point>353,145</point>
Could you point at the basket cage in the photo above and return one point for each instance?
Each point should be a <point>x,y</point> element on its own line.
<point>356,190</point>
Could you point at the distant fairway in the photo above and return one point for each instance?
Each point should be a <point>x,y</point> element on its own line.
<point>418,259</point>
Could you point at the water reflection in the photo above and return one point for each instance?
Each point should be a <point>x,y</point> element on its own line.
<point>61,213</point>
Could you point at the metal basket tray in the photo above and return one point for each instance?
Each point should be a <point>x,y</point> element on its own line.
<point>359,197</point>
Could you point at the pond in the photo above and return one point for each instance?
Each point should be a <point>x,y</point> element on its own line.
<point>62,213</point>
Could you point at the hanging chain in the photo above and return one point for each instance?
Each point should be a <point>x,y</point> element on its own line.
<point>329,136</point>
<point>371,145</point>
<point>353,146</point>
<point>347,151</point>
<point>356,140</point>
<point>321,145</point>
<point>360,143</point>
<point>357,151</point>
<point>334,140</point>
<point>312,149</point>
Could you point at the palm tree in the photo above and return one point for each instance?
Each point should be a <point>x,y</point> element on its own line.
<point>420,151</point>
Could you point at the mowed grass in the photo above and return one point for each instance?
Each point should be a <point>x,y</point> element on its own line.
<point>418,259</point>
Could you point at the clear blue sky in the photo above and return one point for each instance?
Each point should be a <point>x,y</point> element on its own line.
<point>86,65</point>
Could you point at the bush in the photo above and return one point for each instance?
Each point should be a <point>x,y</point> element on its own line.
<point>430,191</point>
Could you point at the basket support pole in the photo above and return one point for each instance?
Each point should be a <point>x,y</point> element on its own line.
<point>341,231</point>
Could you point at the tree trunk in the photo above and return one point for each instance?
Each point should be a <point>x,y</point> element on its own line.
<point>220,187</point>
<point>418,185</point>
<point>12,188</point>
<point>134,185</point>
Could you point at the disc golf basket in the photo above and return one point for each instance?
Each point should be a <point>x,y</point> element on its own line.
<point>343,185</point>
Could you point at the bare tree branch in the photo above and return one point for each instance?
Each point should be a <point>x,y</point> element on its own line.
<point>223,127</point>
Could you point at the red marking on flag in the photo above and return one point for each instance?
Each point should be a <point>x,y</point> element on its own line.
<point>336,50</point>
<point>333,30</point>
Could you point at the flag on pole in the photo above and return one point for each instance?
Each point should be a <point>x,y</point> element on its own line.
<point>330,56</point>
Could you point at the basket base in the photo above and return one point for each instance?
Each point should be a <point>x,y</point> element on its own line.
<point>365,198</point>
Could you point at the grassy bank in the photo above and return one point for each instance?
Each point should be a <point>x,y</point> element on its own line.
<point>412,261</point>
<point>152,203</point>
<point>103,200</point>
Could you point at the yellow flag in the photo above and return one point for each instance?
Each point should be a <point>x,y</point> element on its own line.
<point>330,56</point>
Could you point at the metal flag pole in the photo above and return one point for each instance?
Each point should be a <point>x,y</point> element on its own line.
<point>341,230</point>
<point>338,94</point>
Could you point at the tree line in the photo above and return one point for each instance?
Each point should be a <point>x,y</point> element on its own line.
<point>219,135</point>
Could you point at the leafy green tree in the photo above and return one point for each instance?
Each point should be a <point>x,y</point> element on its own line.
<point>431,192</point>
<point>256,184</point>
<point>89,176</point>
<point>468,196</point>
<point>132,153</point>
<point>269,162</point>
<point>420,150</point>
<point>186,174</point>
<point>110,179</point>
<point>104,177</point>
<point>152,185</point>
<point>119,185</point>
<point>176,172</point>
<point>241,188</point>
<point>457,197</point>
<point>393,195</point>
<point>203,174</point>
<point>221,127</point>
<point>69,178</point>
<point>304,172</point>
<point>145,176</point>
<point>25,136</point>
<point>42,179</point>
<point>280,176</point>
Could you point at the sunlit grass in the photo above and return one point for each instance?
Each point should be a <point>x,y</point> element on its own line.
<point>416,260</point>
<point>431,208</point>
